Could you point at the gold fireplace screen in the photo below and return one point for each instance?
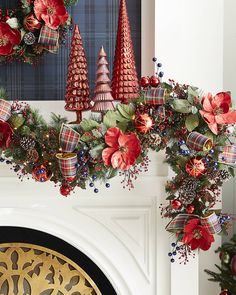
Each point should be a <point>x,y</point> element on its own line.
<point>27,269</point>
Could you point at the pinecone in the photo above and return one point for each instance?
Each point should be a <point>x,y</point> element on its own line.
<point>187,197</point>
<point>27,143</point>
<point>152,140</point>
<point>189,185</point>
<point>224,175</point>
<point>32,155</point>
<point>38,48</point>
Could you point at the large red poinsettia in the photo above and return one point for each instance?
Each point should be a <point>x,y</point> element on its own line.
<point>216,110</point>
<point>52,12</point>
<point>123,150</point>
<point>8,39</point>
<point>5,135</point>
<point>197,236</point>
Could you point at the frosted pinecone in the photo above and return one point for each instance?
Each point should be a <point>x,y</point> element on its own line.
<point>189,184</point>
<point>27,143</point>
<point>187,197</point>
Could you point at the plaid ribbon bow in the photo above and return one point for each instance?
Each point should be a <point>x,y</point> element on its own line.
<point>5,110</point>
<point>155,96</point>
<point>210,222</point>
<point>49,38</point>
<point>199,142</point>
<point>68,164</point>
<point>228,156</point>
<point>68,138</point>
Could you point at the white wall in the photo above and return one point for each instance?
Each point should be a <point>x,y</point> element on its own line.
<point>189,43</point>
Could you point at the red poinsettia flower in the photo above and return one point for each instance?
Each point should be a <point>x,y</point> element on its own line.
<point>216,110</point>
<point>8,39</point>
<point>197,236</point>
<point>52,12</point>
<point>5,135</point>
<point>123,150</point>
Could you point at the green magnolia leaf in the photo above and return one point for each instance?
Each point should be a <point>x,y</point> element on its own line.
<point>127,111</point>
<point>194,110</point>
<point>181,106</point>
<point>111,173</point>
<point>110,119</point>
<point>88,125</point>
<point>96,152</point>
<point>231,171</point>
<point>192,122</point>
<point>123,125</point>
<point>192,92</point>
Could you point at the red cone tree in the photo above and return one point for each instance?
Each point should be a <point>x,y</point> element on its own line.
<point>77,89</point>
<point>103,97</point>
<point>125,84</point>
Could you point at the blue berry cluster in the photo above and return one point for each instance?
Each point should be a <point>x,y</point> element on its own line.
<point>173,252</point>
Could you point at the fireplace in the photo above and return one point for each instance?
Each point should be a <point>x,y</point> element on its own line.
<point>34,262</point>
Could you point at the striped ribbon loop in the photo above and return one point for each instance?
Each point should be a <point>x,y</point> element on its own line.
<point>68,139</point>
<point>228,155</point>
<point>199,142</point>
<point>5,110</point>
<point>155,96</point>
<point>48,37</point>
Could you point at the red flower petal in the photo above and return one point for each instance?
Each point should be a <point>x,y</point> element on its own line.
<point>194,244</point>
<point>228,118</point>
<point>7,49</point>
<point>206,103</point>
<point>120,160</point>
<point>220,99</point>
<point>107,154</point>
<point>111,137</point>
<point>208,117</point>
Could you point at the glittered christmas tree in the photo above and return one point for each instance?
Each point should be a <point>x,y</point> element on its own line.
<point>226,276</point>
<point>77,90</point>
<point>125,84</point>
<point>103,97</point>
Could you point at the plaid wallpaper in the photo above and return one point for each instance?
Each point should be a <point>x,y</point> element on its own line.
<point>97,20</point>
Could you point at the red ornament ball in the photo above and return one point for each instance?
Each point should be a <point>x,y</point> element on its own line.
<point>65,190</point>
<point>31,23</point>
<point>154,81</point>
<point>144,82</point>
<point>225,292</point>
<point>143,123</point>
<point>233,265</point>
<point>176,204</point>
<point>190,209</point>
<point>41,173</point>
<point>195,167</point>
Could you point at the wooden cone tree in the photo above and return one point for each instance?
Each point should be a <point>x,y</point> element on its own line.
<point>77,89</point>
<point>103,97</point>
<point>125,84</point>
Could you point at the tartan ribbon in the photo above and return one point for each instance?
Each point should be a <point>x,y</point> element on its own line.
<point>199,142</point>
<point>5,110</point>
<point>228,155</point>
<point>48,37</point>
<point>155,96</point>
<point>210,222</point>
<point>68,164</point>
<point>68,138</point>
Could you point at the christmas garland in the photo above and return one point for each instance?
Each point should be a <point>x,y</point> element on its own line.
<point>194,130</point>
<point>227,276</point>
<point>33,29</point>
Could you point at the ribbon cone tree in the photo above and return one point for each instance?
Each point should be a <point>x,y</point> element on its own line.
<point>103,97</point>
<point>125,84</point>
<point>77,90</point>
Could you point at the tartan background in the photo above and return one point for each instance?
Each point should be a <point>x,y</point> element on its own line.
<point>97,20</point>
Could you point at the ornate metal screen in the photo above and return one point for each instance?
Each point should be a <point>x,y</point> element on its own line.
<point>97,20</point>
<point>27,269</point>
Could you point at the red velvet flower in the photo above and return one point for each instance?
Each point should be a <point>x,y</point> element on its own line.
<point>52,12</point>
<point>216,110</point>
<point>5,135</point>
<point>123,150</point>
<point>8,38</point>
<point>197,236</point>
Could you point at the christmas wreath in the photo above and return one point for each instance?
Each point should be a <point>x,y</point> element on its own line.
<point>36,27</point>
<point>194,130</point>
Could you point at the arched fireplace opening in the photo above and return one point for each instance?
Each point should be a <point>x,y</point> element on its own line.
<point>19,237</point>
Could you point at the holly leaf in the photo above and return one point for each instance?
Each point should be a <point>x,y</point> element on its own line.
<point>97,133</point>
<point>88,125</point>
<point>127,111</point>
<point>87,137</point>
<point>192,122</point>
<point>110,119</point>
<point>96,152</point>
<point>182,106</point>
